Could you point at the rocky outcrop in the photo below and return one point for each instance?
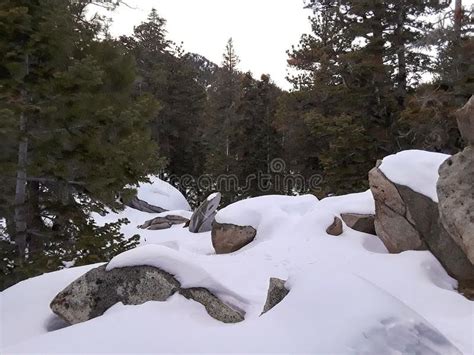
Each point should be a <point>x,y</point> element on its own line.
<point>276,293</point>
<point>166,222</point>
<point>96,291</point>
<point>203,217</point>
<point>408,220</point>
<point>227,238</point>
<point>143,206</point>
<point>456,199</point>
<point>335,228</point>
<point>364,223</point>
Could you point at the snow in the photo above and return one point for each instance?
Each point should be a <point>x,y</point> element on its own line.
<point>250,212</point>
<point>416,169</point>
<point>211,196</point>
<point>347,294</point>
<point>159,193</point>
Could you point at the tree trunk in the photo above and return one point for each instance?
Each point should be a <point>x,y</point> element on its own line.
<point>34,222</point>
<point>457,19</point>
<point>20,191</point>
<point>401,58</point>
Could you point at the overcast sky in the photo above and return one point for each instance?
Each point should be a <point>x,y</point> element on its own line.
<point>262,29</point>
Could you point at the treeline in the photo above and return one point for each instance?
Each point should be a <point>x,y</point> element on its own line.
<point>85,117</point>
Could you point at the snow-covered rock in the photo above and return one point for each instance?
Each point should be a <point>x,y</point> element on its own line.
<point>407,219</point>
<point>158,196</point>
<point>416,169</point>
<point>252,211</point>
<point>96,291</point>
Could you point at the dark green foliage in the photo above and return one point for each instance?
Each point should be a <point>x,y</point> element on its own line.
<point>166,76</point>
<point>84,131</point>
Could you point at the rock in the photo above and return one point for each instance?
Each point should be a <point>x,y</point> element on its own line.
<point>335,228</point>
<point>214,306</point>
<point>465,118</point>
<point>418,227</point>
<point>227,238</point>
<point>163,222</point>
<point>203,217</point>
<point>392,223</point>
<point>364,223</point>
<point>456,199</point>
<point>93,293</point>
<point>143,206</point>
<point>276,293</point>
<point>96,291</point>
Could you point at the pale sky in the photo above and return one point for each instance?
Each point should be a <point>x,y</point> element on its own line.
<point>262,29</point>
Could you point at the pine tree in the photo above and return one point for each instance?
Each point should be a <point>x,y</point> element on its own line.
<point>355,70</point>
<point>77,136</point>
<point>166,76</point>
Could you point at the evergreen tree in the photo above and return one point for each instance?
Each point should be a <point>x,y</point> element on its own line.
<point>356,69</point>
<point>165,74</point>
<point>76,135</point>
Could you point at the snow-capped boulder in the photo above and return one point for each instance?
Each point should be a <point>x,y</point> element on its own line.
<point>335,228</point>
<point>203,217</point>
<point>96,291</point>
<point>360,222</point>
<point>158,196</point>
<point>148,273</point>
<point>276,293</point>
<point>407,214</point>
<point>227,238</point>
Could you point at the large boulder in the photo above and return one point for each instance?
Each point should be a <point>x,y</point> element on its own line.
<point>456,199</point>
<point>276,293</point>
<point>203,217</point>
<point>409,220</point>
<point>227,238</point>
<point>96,291</point>
<point>364,223</point>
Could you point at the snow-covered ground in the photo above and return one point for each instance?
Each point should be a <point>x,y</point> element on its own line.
<point>347,294</point>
